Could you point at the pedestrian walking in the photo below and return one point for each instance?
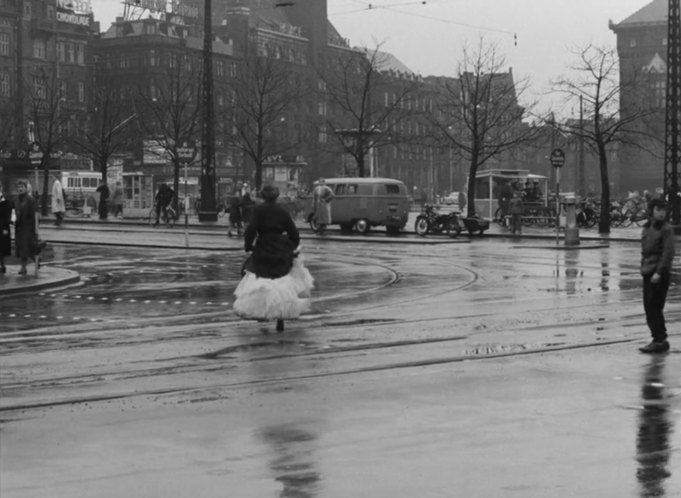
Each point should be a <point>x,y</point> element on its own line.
<point>164,197</point>
<point>26,233</point>
<point>657,255</point>
<point>58,202</point>
<point>5,226</point>
<point>275,284</point>
<point>235,213</point>
<point>117,200</point>
<point>322,196</point>
<point>516,208</point>
<point>103,191</point>
<point>247,204</point>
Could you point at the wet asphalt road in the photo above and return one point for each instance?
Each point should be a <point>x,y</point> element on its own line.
<point>482,368</point>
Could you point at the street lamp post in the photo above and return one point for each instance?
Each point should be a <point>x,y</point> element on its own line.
<point>208,210</point>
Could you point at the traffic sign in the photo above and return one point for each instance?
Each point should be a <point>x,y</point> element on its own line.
<point>186,152</point>
<point>35,153</point>
<point>557,158</point>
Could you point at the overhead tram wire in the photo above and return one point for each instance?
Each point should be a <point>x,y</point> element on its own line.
<point>391,8</point>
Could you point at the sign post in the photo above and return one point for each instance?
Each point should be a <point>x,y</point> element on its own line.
<point>186,153</point>
<point>557,161</point>
<point>35,155</point>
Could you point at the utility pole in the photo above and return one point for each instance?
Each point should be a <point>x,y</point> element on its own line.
<point>582,181</point>
<point>208,210</point>
<point>673,113</point>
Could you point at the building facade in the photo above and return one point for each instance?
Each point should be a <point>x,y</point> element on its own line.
<point>642,50</point>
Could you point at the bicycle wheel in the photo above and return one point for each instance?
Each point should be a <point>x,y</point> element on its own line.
<point>640,217</point>
<point>627,219</point>
<point>499,217</point>
<point>170,217</point>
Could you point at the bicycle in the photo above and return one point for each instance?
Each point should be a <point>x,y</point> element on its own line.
<point>168,215</point>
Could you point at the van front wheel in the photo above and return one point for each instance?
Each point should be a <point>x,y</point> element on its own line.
<point>362,226</point>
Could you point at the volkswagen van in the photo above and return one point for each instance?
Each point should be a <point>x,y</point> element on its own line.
<point>362,203</point>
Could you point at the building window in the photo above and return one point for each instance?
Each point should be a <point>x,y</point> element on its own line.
<point>39,49</point>
<point>80,54</point>
<point>321,109</point>
<point>219,68</point>
<point>154,59</point>
<point>664,41</point>
<point>4,85</point>
<point>40,87</point>
<point>172,60</point>
<point>633,43</point>
<point>5,48</point>
<point>62,89</point>
<point>61,57</point>
<point>71,52</point>
<point>81,92</point>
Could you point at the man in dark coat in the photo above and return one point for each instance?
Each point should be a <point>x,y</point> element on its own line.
<point>5,235</point>
<point>26,225</point>
<point>657,255</point>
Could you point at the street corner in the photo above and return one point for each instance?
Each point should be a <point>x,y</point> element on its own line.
<point>47,277</point>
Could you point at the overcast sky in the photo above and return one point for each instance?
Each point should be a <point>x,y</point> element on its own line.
<point>427,35</point>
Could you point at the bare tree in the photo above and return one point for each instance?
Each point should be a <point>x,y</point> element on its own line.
<point>597,84</point>
<point>171,113</point>
<point>478,112</point>
<point>107,132</point>
<point>372,102</point>
<point>46,99</point>
<point>263,98</point>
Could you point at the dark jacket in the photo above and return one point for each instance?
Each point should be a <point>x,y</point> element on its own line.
<point>5,221</point>
<point>24,233</point>
<point>272,236</point>
<point>657,248</point>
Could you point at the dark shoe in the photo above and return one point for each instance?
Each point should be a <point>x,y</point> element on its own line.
<point>3,270</point>
<point>655,347</point>
<point>23,271</point>
<point>280,325</point>
<point>229,234</point>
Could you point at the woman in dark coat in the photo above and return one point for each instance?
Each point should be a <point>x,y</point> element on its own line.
<point>276,285</point>
<point>5,235</point>
<point>235,213</point>
<point>26,228</point>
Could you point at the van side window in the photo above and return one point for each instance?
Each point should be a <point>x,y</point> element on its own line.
<point>364,189</point>
<point>392,189</point>
<point>340,189</point>
<point>352,189</point>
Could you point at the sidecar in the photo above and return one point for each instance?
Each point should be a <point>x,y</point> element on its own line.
<point>475,224</point>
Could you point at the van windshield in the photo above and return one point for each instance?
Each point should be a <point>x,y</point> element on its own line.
<point>392,189</point>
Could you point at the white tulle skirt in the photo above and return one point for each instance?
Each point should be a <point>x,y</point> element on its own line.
<point>271,299</point>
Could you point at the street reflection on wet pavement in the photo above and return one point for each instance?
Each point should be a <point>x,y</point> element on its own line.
<point>485,369</point>
<point>653,444</point>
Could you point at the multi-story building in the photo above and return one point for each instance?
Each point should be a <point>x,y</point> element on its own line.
<point>151,48</point>
<point>45,77</point>
<point>642,50</point>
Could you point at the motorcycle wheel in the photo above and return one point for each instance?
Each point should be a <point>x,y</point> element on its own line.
<point>453,229</point>
<point>421,226</point>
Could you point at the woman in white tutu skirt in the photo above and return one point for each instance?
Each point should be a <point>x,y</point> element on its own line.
<point>276,285</point>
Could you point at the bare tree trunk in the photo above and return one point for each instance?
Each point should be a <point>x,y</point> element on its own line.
<point>604,219</point>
